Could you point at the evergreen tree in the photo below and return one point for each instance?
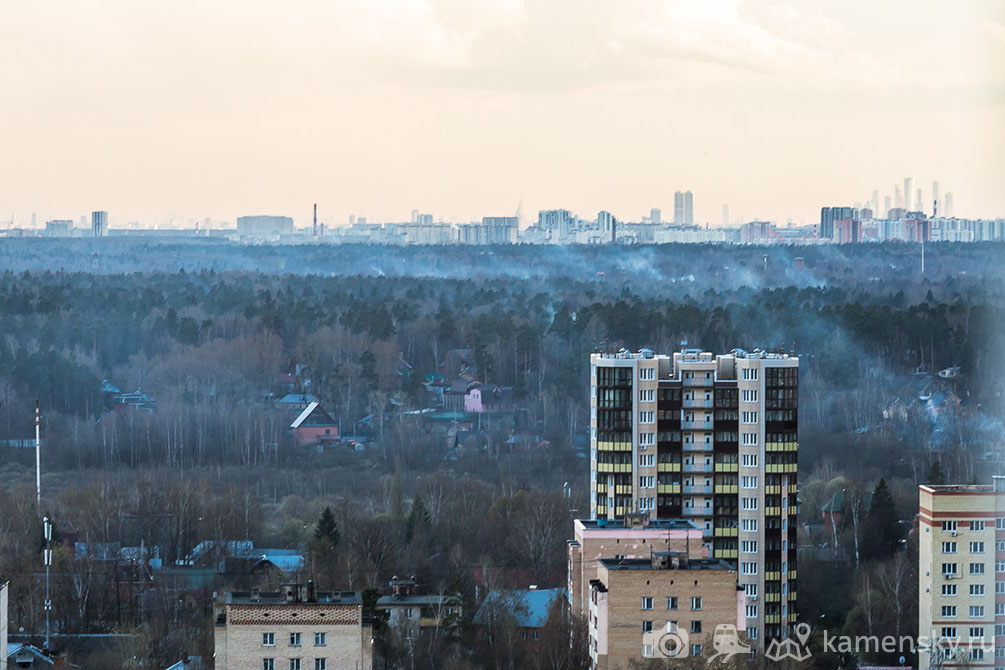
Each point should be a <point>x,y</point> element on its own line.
<point>936,476</point>
<point>882,530</point>
<point>327,532</point>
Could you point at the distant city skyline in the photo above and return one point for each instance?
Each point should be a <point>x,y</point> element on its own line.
<point>469,109</point>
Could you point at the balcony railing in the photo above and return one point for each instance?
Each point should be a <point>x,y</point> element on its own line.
<point>698,446</point>
<point>696,425</point>
<point>697,489</point>
<point>698,467</point>
<point>696,403</point>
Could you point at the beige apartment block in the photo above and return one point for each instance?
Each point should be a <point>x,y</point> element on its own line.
<point>295,628</point>
<point>667,601</point>
<point>712,439</point>
<point>636,536</point>
<point>961,572</point>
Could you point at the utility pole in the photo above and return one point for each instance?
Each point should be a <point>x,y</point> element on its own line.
<point>48,564</point>
<point>38,465</point>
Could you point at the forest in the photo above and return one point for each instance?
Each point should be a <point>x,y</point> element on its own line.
<point>211,332</point>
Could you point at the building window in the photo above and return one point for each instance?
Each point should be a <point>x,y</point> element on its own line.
<point>294,639</point>
<point>696,650</point>
<point>647,481</point>
<point>751,632</point>
<point>1000,523</point>
<point>295,664</point>
<point>976,654</point>
<point>748,460</point>
<point>647,439</point>
<point>976,547</point>
<point>320,664</point>
<point>748,439</point>
<point>976,631</point>
<point>751,611</point>
<point>748,568</point>
<point>748,417</point>
<point>696,626</point>
<point>748,525</point>
<point>1000,610</point>
<point>647,374</point>
<point>977,568</point>
<point>748,547</point>
<point>696,603</point>
<point>976,525</point>
<point>647,626</point>
<point>948,569</point>
<point>268,664</point>
<point>948,611</point>
<point>647,417</point>
<point>647,460</point>
<point>672,602</point>
<point>320,639</point>
<point>976,589</point>
<point>268,639</point>
<point>647,602</point>
<point>671,626</point>
<point>751,590</point>
<point>748,504</point>
<point>949,589</point>
<point>976,611</point>
<point>949,526</point>
<point>949,631</point>
<point>948,547</point>
<point>748,395</point>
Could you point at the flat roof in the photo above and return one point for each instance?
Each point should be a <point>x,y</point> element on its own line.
<point>276,598</point>
<point>647,564</point>
<point>661,524</point>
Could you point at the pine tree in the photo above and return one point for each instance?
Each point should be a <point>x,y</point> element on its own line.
<point>326,531</point>
<point>936,476</point>
<point>882,530</point>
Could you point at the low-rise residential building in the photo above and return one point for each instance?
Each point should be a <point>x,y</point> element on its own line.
<point>296,628</point>
<point>314,426</point>
<point>961,573</point>
<point>636,536</point>
<point>527,610</point>
<point>408,609</point>
<point>663,606</point>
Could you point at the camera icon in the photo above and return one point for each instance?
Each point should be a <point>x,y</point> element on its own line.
<point>663,644</point>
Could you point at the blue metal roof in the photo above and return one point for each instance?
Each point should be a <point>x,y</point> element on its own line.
<point>530,607</point>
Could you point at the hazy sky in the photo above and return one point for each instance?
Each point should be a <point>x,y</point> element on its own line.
<point>462,108</point>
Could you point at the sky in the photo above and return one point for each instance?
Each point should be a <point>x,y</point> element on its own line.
<point>189,109</point>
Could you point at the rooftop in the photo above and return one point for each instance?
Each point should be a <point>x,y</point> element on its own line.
<point>284,597</point>
<point>665,560</point>
<point>660,524</point>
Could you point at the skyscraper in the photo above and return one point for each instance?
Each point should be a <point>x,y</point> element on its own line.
<point>919,202</point>
<point>828,215</point>
<point>99,223</point>
<point>688,209</point>
<point>655,215</point>
<point>710,439</point>
<point>678,208</point>
<point>907,193</point>
<point>935,198</point>
<point>886,207</point>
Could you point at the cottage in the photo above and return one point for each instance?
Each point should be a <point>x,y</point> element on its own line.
<point>314,426</point>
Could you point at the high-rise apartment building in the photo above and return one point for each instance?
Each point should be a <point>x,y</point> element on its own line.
<point>99,223</point>
<point>711,439</point>
<point>683,208</point>
<point>961,572</point>
<point>935,198</point>
<point>828,215</point>
<point>688,209</point>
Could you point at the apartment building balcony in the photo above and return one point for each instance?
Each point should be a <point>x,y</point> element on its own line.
<point>614,467</point>
<point>668,467</point>
<point>781,446</point>
<point>727,467</point>
<point>726,488</point>
<point>705,468</point>
<point>602,488</point>
<point>696,403</point>
<point>697,382</point>
<point>772,511</point>
<point>772,618</point>
<point>696,425</point>
<point>668,488</point>
<point>614,446</point>
<point>697,489</point>
<point>725,532</point>
<point>777,490</point>
<point>623,489</point>
<point>772,576</point>
<point>698,447</point>
<point>725,553</point>
<point>697,511</point>
<point>780,468</point>
<point>772,597</point>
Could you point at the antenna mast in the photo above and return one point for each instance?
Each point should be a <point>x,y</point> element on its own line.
<point>38,465</point>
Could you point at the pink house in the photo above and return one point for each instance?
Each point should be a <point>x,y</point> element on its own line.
<point>314,426</point>
<point>485,397</point>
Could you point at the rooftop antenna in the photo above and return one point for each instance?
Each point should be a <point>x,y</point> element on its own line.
<point>47,525</point>
<point>315,233</point>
